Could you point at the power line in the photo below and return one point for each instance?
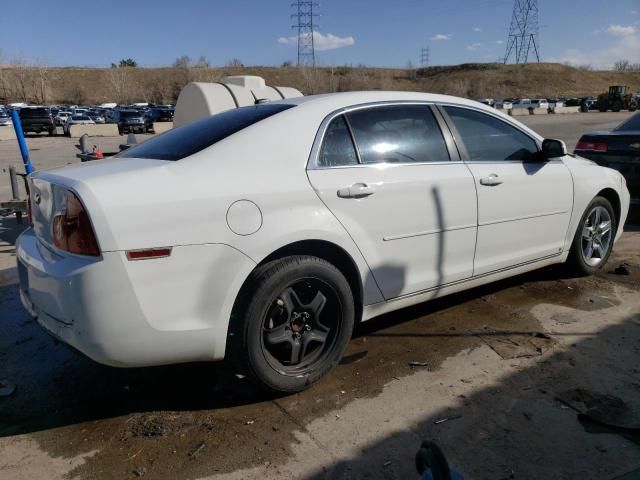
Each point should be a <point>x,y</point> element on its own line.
<point>304,23</point>
<point>523,32</point>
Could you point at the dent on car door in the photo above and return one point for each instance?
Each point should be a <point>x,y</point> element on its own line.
<point>385,172</point>
<point>524,204</point>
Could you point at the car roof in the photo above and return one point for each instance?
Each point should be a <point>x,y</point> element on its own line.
<point>325,104</point>
<point>334,101</point>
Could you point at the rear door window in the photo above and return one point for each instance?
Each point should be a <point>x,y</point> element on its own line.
<point>184,141</point>
<point>398,134</point>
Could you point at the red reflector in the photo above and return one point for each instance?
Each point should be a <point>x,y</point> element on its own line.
<point>592,146</point>
<point>148,254</point>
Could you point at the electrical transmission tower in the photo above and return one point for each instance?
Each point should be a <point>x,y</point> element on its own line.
<point>523,32</point>
<point>304,16</point>
<point>425,53</point>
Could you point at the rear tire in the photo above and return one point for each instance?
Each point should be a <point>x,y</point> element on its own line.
<point>292,323</point>
<point>591,247</point>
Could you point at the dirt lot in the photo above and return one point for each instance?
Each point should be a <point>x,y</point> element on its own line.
<point>535,377</point>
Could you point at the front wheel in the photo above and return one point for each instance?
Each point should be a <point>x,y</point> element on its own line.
<point>295,324</point>
<point>594,237</point>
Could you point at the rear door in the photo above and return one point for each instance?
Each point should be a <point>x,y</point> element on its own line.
<point>524,205</point>
<point>409,203</point>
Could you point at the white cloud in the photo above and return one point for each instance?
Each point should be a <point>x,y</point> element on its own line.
<point>441,36</point>
<point>499,42</point>
<point>476,29</point>
<point>620,30</point>
<point>322,41</point>
<point>474,46</point>
<point>622,48</point>
<point>634,12</point>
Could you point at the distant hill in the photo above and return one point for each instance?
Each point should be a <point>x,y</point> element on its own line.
<point>51,85</point>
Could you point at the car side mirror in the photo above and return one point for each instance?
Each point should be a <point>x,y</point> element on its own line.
<point>552,148</point>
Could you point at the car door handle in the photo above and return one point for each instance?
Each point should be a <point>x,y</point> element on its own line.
<point>357,190</point>
<point>491,181</point>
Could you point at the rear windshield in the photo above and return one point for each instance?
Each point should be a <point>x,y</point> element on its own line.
<point>34,112</point>
<point>130,114</point>
<point>184,141</point>
<point>633,124</point>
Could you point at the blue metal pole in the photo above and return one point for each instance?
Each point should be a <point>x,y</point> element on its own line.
<point>17,125</point>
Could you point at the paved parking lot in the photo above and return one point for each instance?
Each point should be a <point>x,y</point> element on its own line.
<point>497,376</point>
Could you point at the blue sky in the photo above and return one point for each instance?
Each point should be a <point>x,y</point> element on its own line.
<point>370,32</point>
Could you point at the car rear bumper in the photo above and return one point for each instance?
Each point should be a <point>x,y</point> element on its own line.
<point>131,314</point>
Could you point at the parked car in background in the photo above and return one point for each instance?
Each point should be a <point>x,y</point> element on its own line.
<point>282,248</point>
<point>37,120</point>
<point>540,103</point>
<point>131,121</point>
<point>556,102</point>
<point>505,104</point>
<point>588,103</point>
<point>79,111</point>
<point>76,120</point>
<point>487,101</point>
<point>522,103</point>
<point>96,116</point>
<point>61,118</point>
<point>156,114</point>
<point>5,119</point>
<point>618,149</point>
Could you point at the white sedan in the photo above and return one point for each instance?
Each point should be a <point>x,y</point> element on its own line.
<point>263,234</point>
<point>80,119</point>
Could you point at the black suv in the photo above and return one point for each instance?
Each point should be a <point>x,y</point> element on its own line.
<point>131,121</point>
<point>156,114</point>
<point>36,120</point>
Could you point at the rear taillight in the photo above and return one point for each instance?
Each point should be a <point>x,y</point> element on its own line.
<point>592,146</point>
<point>71,228</point>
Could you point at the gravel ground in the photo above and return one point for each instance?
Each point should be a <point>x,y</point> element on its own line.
<point>502,374</point>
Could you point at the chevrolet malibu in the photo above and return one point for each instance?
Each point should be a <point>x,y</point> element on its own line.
<point>263,234</point>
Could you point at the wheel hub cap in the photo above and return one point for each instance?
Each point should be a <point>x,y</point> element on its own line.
<point>596,236</point>
<point>299,321</point>
<point>300,326</point>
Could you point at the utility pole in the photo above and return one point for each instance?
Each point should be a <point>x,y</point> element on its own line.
<point>523,32</point>
<point>304,24</point>
<point>425,54</point>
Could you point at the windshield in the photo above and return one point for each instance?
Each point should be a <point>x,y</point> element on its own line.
<point>632,124</point>
<point>184,141</point>
<point>80,117</point>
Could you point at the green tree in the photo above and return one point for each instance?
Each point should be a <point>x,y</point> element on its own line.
<point>128,62</point>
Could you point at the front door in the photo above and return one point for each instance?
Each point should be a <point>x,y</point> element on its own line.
<point>524,204</point>
<point>386,174</point>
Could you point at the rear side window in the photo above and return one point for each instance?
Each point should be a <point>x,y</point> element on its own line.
<point>33,112</point>
<point>337,148</point>
<point>490,139</point>
<point>184,141</point>
<point>398,134</point>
